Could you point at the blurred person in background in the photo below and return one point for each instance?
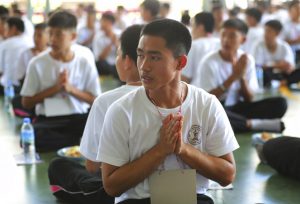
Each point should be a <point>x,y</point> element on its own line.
<point>203,43</point>
<point>164,10</point>
<point>255,30</point>
<point>219,17</point>
<point>292,28</point>
<point>149,10</point>
<point>3,16</point>
<point>86,34</point>
<point>10,51</point>
<point>105,46</point>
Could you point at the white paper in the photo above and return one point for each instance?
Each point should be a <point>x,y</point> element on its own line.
<point>57,107</point>
<point>173,187</point>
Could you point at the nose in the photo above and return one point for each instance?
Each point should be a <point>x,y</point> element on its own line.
<point>143,64</point>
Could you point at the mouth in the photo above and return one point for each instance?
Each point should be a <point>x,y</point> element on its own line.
<point>146,79</point>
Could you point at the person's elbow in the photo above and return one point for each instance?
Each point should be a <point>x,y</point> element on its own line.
<point>111,190</point>
<point>229,177</point>
<point>26,103</point>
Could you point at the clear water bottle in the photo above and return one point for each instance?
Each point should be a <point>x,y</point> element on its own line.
<point>27,138</point>
<point>260,76</point>
<point>9,94</point>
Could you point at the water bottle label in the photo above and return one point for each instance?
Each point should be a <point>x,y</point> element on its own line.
<point>28,137</point>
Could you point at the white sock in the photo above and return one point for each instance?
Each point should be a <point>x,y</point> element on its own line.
<point>271,125</point>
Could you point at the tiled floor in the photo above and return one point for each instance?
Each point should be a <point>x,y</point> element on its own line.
<point>255,183</point>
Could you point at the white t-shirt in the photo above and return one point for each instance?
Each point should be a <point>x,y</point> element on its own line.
<point>83,34</point>
<point>132,124</point>
<point>264,57</point>
<point>10,51</point>
<point>43,72</point>
<point>200,47</point>
<point>254,35</point>
<point>84,52</point>
<point>213,71</point>
<point>100,42</point>
<point>291,32</point>
<point>89,144</point>
<point>23,62</point>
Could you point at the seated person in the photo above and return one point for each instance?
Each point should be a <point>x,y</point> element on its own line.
<point>171,126</point>
<point>41,41</point>
<point>10,50</point>
<point>230,75</point>
<point>59,168</point>
<point>203,43</point>
<point>291,32</point>
<point>105,46</point>
<point>255,32</point>
<point>275,56</point>
<point>61,85</point>
<point>281,153</point>
<point>86,34</point>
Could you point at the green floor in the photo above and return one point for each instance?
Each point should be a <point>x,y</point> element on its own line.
<point>255,183</point>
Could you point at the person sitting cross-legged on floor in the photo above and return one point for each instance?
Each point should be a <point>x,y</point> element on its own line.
<point>68,177</point>
<point>230,75</point>
<point>61,84</point>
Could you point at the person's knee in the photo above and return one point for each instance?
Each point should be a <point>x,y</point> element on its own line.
<point>280,105</point>
<point>56,165</point>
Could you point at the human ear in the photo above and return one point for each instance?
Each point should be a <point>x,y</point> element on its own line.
<point>128,62</point>
<point>182,62</point>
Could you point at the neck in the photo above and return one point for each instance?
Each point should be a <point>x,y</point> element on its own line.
<point>271,46</point>
<point>134,83</point>
<point>64,56</point>
<point>201,35</point>
<point>168,97</point>
<point>228,56</point>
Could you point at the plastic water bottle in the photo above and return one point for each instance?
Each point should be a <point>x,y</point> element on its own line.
<point>9,94</point>
<point>27,137</point>
<point>260,77</point>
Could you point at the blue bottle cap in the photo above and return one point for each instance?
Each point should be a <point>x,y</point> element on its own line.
<point>26,120</point>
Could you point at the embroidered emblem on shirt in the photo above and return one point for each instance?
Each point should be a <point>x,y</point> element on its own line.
<point>193,136</point>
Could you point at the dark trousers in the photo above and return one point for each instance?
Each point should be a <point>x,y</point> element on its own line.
<point>201,199</point>
<point>282,154</point>
<point>269,108</point>
<point>19,110</point>
<point>291,78</point>
<point>52,133</point>
<point>75,184</point>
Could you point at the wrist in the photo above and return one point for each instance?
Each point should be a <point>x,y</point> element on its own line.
<point>223,88</point>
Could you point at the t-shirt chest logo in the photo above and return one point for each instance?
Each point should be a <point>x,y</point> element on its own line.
<point>193,135</point>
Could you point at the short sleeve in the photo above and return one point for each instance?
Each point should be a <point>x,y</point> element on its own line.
<point>207,77</point>
<point>220,139</point>
<point>114,142</point>
<point>31,84</point>
<point>89,144</point>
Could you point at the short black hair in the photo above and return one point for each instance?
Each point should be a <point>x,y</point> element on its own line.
<point>62,19</point>
<point>236,24</point>
<point>217,7</point>
<point>16,22</point>
<point>186,18</point>
<point>275,25</point>
<point>165,5</point>
<point>3,11</point>
<point>177,36</point>
<point>129,41</point>
<point>206,19</point>
<point>40,26</point>
<point>293,3</point>
<point>255,13</point>
<point>152,6</point>
<point>109,16</point>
